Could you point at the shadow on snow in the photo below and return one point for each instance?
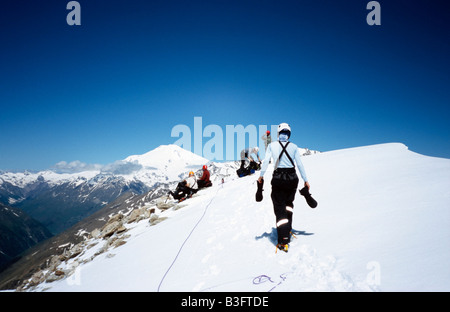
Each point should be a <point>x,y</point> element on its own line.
<point>273,235</point>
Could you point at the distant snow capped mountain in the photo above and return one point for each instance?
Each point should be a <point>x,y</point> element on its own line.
<point>60,199</point>
<point>168,157</point>
<point>166,163</point>
<point>170,161</point>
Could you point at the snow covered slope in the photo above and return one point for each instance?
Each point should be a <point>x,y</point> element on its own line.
<point>382,224</point>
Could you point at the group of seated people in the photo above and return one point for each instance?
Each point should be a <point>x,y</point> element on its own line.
<point>253,166</point>
<point>191,185</point>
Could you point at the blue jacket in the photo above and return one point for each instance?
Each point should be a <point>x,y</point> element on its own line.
<point>274,151</point>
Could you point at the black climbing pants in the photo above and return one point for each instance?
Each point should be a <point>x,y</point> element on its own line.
<point>182,191</point>
<point>283,195</point>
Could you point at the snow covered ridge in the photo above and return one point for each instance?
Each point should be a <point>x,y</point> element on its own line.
<point>382,224</point>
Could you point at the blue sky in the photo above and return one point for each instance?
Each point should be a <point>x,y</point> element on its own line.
<point>118,84</point>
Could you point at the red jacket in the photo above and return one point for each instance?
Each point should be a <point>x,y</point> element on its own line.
<point>205,176</point>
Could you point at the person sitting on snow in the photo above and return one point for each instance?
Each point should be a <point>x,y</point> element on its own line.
<point>246,153</point>
<point>186,188</point>
<point>204,180</point>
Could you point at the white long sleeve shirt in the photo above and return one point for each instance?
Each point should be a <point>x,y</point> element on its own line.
<point>192,183</point>
<point>274,151</point>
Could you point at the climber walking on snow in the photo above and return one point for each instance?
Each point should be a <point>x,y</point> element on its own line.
<point>284,181</point>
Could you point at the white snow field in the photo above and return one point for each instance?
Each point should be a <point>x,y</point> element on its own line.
<point>382,224</point>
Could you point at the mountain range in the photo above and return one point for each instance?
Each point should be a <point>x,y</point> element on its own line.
<point>59,199</point>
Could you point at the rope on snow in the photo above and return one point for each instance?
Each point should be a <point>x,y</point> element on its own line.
<point>187,238</point>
